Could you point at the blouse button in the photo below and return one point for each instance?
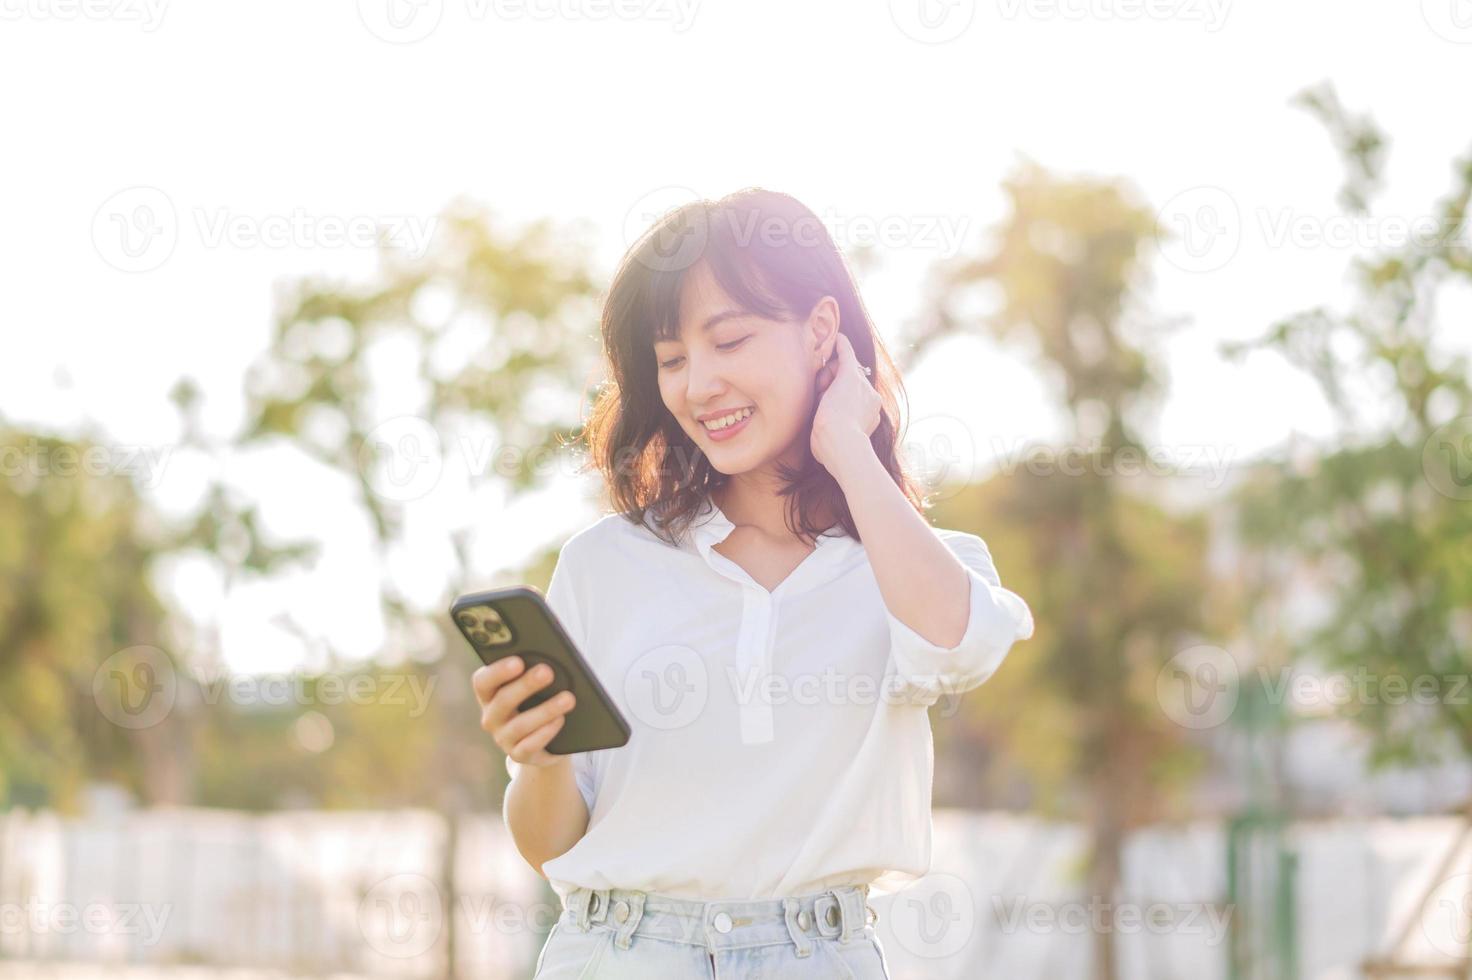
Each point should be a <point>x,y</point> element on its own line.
<point>833,915</point>
<point>621,911</point>
<point>593,903</point>
<point>722,922</point>
<point>803,918</point>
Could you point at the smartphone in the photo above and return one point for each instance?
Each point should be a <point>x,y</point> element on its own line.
<point>517,620</point>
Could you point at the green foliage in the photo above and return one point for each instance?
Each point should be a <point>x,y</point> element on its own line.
<point>1116,583</point>
<point>1379,519</point>
<point>499,325</point>
<point>493,322</point>
<point>75,544</point>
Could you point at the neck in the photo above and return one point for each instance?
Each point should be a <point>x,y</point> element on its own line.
<point>752,500</point>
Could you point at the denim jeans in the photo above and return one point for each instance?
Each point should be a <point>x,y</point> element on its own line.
<point>622,934</point>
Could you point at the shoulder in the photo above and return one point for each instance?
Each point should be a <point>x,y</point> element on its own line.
<point>609,536</point>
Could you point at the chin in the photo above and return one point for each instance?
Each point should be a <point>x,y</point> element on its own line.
<point>730,467</point>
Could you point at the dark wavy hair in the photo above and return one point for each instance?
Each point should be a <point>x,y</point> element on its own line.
<point>774,257</point>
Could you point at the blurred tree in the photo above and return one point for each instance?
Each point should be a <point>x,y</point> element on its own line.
<point>491,333</point>
<point>497,329</point>
<point>71,543</point>
<point>83,631</point>
<point>1117,584</point>
<point>1385,516</point>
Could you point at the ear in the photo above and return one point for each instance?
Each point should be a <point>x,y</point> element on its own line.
<point>821,331</point>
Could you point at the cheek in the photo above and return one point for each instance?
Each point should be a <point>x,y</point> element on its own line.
<point>670,394</point>
<point>777,374</point>
<point>788,397</point>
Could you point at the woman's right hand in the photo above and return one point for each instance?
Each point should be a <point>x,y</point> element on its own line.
<point>522,735</point>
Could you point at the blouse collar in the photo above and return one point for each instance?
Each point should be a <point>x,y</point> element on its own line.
<point>710,526</point>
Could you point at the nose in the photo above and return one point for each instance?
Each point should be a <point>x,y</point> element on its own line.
<point>703,382</point>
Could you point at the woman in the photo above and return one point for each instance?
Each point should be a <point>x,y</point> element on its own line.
<point>769,607</point>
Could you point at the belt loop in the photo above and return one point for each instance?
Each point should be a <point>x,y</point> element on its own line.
<point>635,900</point>
<point>790,907</point>
<point>855,912</point>
<point>578,903</point>
<point>824,905</point>
<point>598,905</point>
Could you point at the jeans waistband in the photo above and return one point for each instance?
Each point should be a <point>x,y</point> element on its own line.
<point>838,913</point>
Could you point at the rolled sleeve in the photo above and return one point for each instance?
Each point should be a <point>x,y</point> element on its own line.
<point>997,619</point>
<point>583,772</point>
<point>582,769</point>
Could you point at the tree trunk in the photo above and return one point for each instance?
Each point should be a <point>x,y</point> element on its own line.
<point>1107,839</point>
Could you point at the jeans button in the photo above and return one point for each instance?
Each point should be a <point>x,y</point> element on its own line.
<point>722,922</point>
<point>621,911</point>
<point>803,919</point>
<point>593,903</point>
<point>832,915</point>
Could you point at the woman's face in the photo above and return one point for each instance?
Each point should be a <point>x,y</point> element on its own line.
<point>730,361</point>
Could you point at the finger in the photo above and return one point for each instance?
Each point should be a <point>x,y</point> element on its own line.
<point>487,679</point>
<point>511,694</point>
<point>533,718</point>
<point>537,740</point>
<point>849,354</point>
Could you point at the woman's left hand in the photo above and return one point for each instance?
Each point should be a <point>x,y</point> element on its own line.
<point>848,408</point>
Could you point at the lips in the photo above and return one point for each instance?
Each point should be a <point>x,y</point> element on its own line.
<point>730,431</point>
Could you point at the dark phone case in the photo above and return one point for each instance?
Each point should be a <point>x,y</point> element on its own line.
<point>518,621</point>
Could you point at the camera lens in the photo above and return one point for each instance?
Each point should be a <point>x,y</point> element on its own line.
<point>480,636</point>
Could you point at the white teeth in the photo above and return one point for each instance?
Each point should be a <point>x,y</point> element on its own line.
<point>727,420</point>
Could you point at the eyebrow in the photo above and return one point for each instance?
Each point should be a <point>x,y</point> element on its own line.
<point>721,317</point>
<point>715,320</point>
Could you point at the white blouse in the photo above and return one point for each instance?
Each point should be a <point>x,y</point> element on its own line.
<point>780,740</point>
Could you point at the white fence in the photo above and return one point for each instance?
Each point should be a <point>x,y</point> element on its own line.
<point>367,894</point>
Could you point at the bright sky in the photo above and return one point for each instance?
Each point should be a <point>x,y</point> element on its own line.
<point>224,126</point>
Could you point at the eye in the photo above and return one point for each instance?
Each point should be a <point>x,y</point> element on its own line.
<point>674,362</point>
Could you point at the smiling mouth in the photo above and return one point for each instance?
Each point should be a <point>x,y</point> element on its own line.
<point>729,421</point>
